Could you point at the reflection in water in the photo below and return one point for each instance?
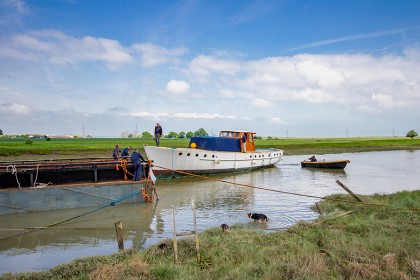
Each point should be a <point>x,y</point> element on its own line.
<point>215,202</point>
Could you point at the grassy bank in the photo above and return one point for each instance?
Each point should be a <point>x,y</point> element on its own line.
<point>370,242</point>
<point>12,148</point>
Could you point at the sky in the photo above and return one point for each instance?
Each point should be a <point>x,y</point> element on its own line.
<point>295,68</point>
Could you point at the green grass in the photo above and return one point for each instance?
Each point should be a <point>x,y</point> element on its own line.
<point>102,147</point>
<point>372,242</point>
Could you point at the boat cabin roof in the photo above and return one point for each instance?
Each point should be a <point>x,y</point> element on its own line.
<point>233,133</point>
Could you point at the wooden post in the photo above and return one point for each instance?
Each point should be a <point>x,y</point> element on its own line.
<point>175,242</point>
<point>348,190</point>
<point>120,240</point>
<point>197,242</point>
<point>318,207</point>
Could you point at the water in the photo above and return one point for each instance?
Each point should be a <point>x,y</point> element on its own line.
<point>215,202</point>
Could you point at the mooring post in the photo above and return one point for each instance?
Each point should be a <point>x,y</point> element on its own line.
<point>348,190</point>
<point>120,240</point>
<point>318,207</point>
<point>175,242</point>
<point>197,242</point>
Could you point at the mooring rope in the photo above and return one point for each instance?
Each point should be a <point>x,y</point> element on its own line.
<point>14,171</point>
<point>39,185</point>
<point>112,203</point>
<point>284,192</point>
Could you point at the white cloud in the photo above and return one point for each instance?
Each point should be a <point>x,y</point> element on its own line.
<point>14,108</point>
<point>318,73</point>
<point>153,55</point>
<point>181,115</point>
<point>204,66</point>
<point>177,87</point>
<point>385,101</point>
<point>260,102</point>
<point>62,49</point>
<point>276,120</point>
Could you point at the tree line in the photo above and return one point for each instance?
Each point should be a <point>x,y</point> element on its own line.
<point>172,134</point>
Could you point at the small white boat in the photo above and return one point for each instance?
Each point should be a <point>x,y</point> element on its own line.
<point>206,155</point>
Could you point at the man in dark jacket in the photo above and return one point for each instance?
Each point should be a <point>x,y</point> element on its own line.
<point>136,159</point>
<point>158,134</point>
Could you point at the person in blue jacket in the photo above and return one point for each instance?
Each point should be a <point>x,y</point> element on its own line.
<point>126,151</point>
<point>136,159</point>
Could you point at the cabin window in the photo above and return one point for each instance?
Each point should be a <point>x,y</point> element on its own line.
<point>180,154</point>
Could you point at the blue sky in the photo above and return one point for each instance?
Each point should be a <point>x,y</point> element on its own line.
<point>279,68</point>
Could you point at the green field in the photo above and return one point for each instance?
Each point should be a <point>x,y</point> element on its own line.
<point>11,148</point>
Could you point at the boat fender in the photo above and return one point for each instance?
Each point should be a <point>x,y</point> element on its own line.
<point>193,145</point>
<point>217,160</point>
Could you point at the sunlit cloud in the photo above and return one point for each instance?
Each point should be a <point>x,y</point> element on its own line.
<point>177,87</point>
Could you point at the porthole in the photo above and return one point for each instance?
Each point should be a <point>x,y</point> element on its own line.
<point>188,154</point>
<point>180,154</point>
<point>205,155</point>
<point>196,155</point>
<point>212,156</point>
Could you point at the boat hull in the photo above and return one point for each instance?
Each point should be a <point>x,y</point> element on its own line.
<point>197,161</point>
<point>337,164</point>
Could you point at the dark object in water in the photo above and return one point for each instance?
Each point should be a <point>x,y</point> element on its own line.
<point>334,164</point>
<point>258,217</point>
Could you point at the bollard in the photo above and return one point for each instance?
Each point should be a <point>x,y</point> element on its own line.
<point>120,240</point>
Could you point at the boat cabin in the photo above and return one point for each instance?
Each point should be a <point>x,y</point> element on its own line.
<point>250,146</point>
<point>228,141</point>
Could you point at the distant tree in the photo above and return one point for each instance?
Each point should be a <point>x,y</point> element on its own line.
<point>29,142</point>
<point>130,135</point>
<point>146,135</point>
<point>201,132</point>
<point>189,134</point>
<point>181,134</point>
<point>1,132</point>
<point>412,134</point>
<point>172,135</point>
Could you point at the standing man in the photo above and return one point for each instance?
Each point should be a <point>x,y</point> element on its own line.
<point>243,142</point>
<point>158,134</point>
<point>136,159</point>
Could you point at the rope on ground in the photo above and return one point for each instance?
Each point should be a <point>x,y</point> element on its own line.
<point>112,203</point>
<point>14,171</point>
<point>284,192</point>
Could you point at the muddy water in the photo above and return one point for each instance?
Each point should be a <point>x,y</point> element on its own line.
<point>216,203</point>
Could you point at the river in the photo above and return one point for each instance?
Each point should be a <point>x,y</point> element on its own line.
<point>215,202</point>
